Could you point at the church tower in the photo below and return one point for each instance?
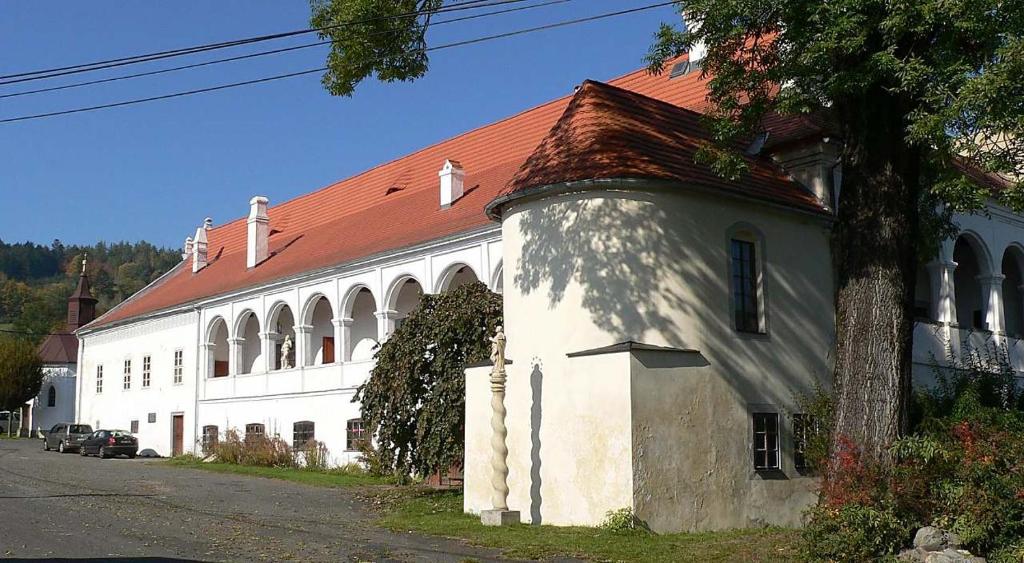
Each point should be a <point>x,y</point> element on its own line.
<point>81,304</point>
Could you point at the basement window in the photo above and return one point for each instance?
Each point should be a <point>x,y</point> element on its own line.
<point>355,434</point>
<point>302,434</point>
<point>254,430</point>
<point>211,436</point>
<point>766,441</point>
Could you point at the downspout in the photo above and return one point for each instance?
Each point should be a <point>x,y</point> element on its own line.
<point>79,373</point>
<point>195,408</point>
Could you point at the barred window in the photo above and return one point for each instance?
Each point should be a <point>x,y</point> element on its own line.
<point>99,378</point>
<point>135,427</point>
<point>211,436</point>
<point>355,434</point>
<point>302,434</point>
<point>127,374</point>
<point>766,441</point>
<point>146,365</point>
<point>179,363</point>
<point>746,312</point>
<point>803,429</point>
<point>254,430</point>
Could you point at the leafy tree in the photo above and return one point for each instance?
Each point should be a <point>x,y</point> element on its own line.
<point>414,400</point>
<point>21,372</point>
<point>919,91</point>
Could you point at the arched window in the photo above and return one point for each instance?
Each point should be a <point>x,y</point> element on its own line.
<point>319,318</point>
<point>281,324</point>
<point>218,353</point>
<point>970,263</point>
<point>303,434</point>
<point>252,349</point>
<point>405,296</point>
<point>51,397</point>
<point>456,276</point>
<point>361,325</point>
<point>746,279</point>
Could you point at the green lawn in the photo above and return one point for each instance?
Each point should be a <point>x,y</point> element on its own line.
<point>337,478</point>
<point>439,513</point>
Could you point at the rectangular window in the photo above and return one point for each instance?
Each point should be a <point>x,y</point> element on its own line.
<point>99,378</point>
<point>254,430</point>
<point>744,286</point>
<point>146,363</point>
<point>135,427</point>
<point>179,365</point>
<point>803,429</point>
<point>210,439</point>
<point>151,417</point>
<point>302,434</point>
<point>355,434</point>
<point>766,441</point>
<point>127,374</point>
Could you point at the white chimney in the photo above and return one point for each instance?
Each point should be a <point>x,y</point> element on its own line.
<point>199,250</point>
<point>451,175</point>
<point>208,223</point>
<point>258,247</point>
<point>187,252</point>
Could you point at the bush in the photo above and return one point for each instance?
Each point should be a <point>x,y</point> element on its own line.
<point>622,520</point>
<point>960,469</point>
<point>315,457</point>
<point>254,450</point>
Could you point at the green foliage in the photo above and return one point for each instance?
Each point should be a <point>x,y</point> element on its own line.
<point>950,69</point>
<point>261,451</point>
<point>414,399</point>
<point>36,280</point>
<point>622,520</point>
<point>21,372</point>
<point>369,37</point>
<point>819,405</point>
<point>962,469</point>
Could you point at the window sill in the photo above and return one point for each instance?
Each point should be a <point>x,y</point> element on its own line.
<point>775,474</point>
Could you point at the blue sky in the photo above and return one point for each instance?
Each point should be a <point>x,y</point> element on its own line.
<point>154,171</point>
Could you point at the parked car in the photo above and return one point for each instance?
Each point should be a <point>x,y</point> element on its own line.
<point>9,419</point>
<point>110,443</point>
<point>66,437</point>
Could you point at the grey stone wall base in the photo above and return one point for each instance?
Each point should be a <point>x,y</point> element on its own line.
<point>499,517</point>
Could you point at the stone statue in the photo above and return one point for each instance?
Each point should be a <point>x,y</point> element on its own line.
<point>498,349</point>
<point>286,351</point>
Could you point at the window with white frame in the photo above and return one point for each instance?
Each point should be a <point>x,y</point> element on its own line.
<point>179,364</point>
<point>146,365</point>
<point>99,378</point>
<point>128,374</point>
<point>766,441</point>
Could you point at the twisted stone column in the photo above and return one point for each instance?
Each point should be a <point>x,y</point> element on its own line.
<point>499,451</point>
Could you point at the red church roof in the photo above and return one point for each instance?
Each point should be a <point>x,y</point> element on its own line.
<point>393,205</point>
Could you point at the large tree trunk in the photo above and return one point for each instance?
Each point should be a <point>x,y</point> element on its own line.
<point>874,251</point>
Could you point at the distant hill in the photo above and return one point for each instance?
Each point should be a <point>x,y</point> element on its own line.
<point>36,280</point>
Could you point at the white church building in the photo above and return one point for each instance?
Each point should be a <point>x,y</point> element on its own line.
<point>661,321</point>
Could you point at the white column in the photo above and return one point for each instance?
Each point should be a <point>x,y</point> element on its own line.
<point>236,355</point>
<point>385,324</point>
<point>342,339</point>
<point>943,291</point>
<point>268,344</point>
<point>210,349</point>
<point>304,346</point>
<point>992,293</point>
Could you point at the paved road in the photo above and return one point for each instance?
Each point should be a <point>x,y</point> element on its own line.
<point>67,506</point>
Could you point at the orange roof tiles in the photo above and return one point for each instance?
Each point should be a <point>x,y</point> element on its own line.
<point>366,215</point>
<point>608,132</point>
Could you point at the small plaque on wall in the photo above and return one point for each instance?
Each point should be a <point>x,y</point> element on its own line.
<point>152,417</point>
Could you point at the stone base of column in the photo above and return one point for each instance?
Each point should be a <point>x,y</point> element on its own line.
<point>499,517</point>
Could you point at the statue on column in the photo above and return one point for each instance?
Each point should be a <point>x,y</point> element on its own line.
<point>286,351</point>
<point>498,349</point>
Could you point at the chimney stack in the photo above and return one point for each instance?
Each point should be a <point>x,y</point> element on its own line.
<point>199,250</point>
<point>188,249</point>
<point>208,223</point>
<point>451,175</point>
<point>258,247</point>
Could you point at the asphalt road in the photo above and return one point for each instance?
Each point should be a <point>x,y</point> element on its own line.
<point>55,506</point>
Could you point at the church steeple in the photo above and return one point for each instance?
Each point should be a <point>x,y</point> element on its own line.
<point>81,304</point>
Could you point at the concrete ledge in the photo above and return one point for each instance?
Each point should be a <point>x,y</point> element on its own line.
<point>499,517</point>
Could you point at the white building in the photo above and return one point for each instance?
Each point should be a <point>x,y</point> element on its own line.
<point>661,321</point>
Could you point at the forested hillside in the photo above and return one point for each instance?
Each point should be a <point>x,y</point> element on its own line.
<point>36,280</point>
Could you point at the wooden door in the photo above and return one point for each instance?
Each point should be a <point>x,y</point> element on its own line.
<point>177,434</point>
<point>328,355</point>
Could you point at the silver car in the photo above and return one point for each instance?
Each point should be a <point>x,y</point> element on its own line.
<point>66,437</point>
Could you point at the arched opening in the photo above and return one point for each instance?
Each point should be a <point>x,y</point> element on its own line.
<point>361,317</point>
<point>281,325</point>
<point>922,295</point>
<point>320,318</point>
<point>456,276</point>
<point>217,348</point>
<point>404,298</point>
<point>498,284</point>
<point>51,397</point>
<point>251,347</point>
<point>1013,295</point>
<point>970,305</point>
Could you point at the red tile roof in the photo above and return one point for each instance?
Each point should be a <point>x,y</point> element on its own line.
<point>608,132</point>
<point>365,215</point>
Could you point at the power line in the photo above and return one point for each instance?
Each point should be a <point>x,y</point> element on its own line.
<point>149,57</point>
<point>466,42</point>
<point>261,53</point>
